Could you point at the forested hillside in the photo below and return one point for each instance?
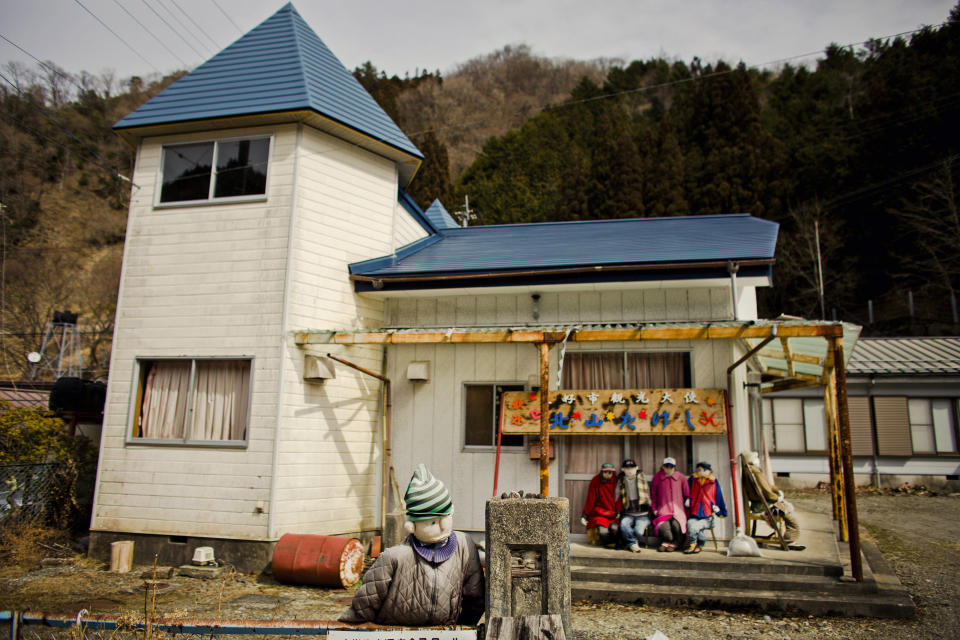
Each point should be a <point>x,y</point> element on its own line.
<point>860,149</point>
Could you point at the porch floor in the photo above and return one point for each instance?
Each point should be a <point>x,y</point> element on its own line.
<point>817,580</point>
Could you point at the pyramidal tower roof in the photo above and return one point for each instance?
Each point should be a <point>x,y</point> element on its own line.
<point>281,67</point>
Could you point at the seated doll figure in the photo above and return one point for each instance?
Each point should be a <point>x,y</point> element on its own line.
<point>706,502</point>
<point>635,498</point>
<point>773,496</point>
<point>602,508</point>
<point>431,578</point>
<point>668,493</point>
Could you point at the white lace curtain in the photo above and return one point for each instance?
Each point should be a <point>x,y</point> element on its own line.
<point>218,404</point>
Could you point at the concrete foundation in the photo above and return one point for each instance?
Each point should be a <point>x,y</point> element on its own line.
<point>528,558</point>
<point>246,556</point>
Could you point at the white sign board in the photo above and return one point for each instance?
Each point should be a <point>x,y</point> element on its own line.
<point>403,634</point>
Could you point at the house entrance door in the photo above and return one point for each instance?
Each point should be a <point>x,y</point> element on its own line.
<point>583,455</point>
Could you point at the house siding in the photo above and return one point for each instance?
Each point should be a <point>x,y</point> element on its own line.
<point>328,463</point>
<point>197,281</point>
<point>218,281</point>
<point>428,416</point>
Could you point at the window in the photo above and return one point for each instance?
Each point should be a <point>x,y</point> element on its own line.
<point>482,415</point>
<point>931,425</point>
<point>240,170</point>
<point>798,425</point>
<point>192,400</point>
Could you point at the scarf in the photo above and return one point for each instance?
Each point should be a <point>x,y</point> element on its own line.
<point>435,552</point>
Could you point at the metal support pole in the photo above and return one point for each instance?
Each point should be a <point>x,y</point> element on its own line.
<point>544,419</point>
<point>846,459</point>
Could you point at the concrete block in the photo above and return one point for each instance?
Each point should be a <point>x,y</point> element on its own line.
<point>204,572</point>
<point>528,558</point>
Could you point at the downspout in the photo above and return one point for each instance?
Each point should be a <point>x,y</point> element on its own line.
<point>732,268</point>
<point>284,319</point>
<point>387,447</point>
<point>730,369</point>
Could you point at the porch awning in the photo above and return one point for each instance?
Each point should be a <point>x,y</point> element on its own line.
<point>798,353</point>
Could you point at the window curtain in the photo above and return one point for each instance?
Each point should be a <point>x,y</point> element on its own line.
<point>165,400</point>
<point>219,409</point>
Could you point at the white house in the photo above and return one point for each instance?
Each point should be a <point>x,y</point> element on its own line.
<point>269,230</point>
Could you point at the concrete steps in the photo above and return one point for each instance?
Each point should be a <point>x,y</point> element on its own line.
<point>712,580</point>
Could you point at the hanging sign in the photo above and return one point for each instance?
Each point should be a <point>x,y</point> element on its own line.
<point>617,412</point>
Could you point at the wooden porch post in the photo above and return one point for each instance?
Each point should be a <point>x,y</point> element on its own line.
<point>846,459</point>
<point>833,454</point>
<point>544,419</point>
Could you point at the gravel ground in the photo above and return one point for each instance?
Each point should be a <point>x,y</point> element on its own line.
<point>915,533</point>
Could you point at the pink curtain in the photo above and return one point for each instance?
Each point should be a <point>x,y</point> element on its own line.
<point>165,400</point>
<point>219,407</point>
<point>219,410</point>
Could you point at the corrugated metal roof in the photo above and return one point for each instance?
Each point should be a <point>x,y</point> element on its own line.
<point>439,217</point>
<point>633,241</point>
<point>279,66</point>
<point>898,356</point>
<point>25,396</point>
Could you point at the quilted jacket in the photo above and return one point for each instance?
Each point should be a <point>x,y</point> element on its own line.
<point>403,588</point>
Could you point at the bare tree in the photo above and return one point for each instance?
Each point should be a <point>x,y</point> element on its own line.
<point>931,221</point>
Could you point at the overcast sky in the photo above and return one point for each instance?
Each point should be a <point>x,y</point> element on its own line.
<point>400,36</point>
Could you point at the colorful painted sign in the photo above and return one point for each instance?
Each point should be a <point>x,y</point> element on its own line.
<point>617,412</point>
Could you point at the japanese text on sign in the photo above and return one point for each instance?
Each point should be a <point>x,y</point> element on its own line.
<point>617,412</point>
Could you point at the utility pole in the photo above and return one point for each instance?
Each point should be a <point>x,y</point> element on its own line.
<point>466,214</point>
<point>816,234</point>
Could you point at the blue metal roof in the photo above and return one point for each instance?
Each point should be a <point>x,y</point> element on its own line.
<point>279,66</point>
<point>665,244</point>
<point>438,215</point>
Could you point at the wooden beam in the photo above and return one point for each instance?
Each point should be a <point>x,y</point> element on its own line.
<point>787,383</point>
<point>796,357</point>
<point>833,454</point>
<point>785,343</point>
<point>846,460</point>
<point>705,332</point>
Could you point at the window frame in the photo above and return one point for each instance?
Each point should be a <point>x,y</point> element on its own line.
<point>210,200</point>
<point>951,405</point>
<point>136,404</point>
<point>481,448</point>
<point>768,421</point>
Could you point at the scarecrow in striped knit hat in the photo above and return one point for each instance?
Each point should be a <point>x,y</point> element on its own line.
<point>431,578</point>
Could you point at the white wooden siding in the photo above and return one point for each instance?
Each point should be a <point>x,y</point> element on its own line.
<point>199,281</point>
<point>428,416</point>
<point>405,228</point>
<point>211,280</point>
<point>328,465</point>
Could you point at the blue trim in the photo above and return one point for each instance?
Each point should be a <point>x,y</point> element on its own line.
<point>414,209</point>
<point>507,280</point>
<point>374,264</point>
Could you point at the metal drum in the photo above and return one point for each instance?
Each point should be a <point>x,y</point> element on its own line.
<point>326,561</point>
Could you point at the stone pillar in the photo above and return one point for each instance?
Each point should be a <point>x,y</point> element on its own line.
<point>528,558</point>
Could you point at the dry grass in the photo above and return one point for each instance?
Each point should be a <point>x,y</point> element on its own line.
<point>23,544</point>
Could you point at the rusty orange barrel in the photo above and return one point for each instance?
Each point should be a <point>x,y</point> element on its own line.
<point>326,561</point>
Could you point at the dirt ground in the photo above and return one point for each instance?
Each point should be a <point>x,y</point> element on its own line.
<point>916,533</point>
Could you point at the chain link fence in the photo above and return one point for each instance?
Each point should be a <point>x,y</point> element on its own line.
<point>55,494</point>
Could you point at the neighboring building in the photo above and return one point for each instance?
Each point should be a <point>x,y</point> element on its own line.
<point>903,396</point>
<point>269,228</point>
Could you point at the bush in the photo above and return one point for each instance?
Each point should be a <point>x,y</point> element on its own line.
<point>31,435</point>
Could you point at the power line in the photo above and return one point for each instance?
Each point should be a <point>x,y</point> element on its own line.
<point>227,16</point>
<point>104,24</point>
<point>144,27</point>
<point>177,33</point>
<point>194,22</point>
<point>90,150</point>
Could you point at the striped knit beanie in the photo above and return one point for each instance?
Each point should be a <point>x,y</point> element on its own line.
<point>426,497</point>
